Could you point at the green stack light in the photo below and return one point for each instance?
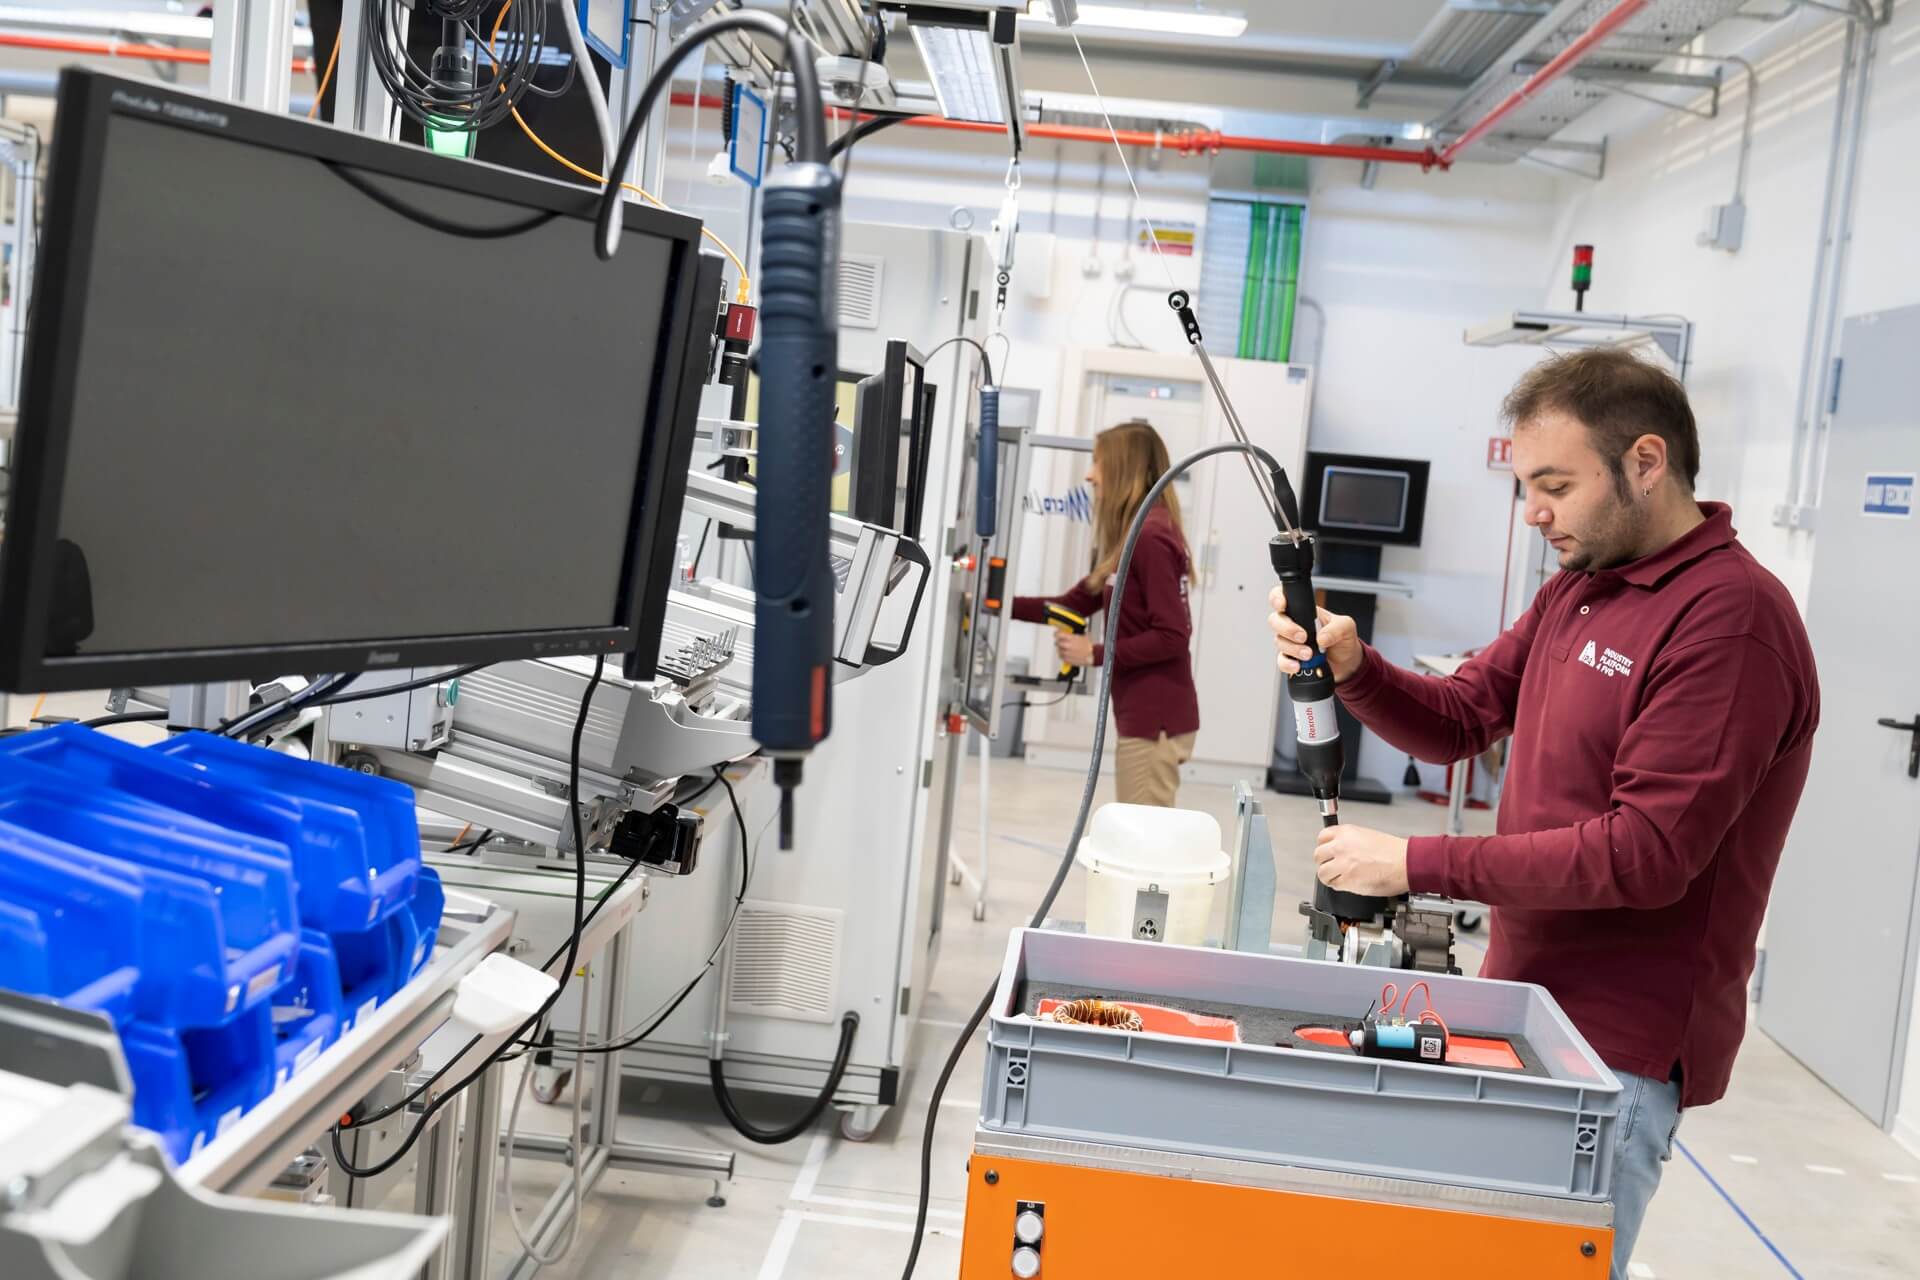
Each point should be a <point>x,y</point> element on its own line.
<point>1582,275</point>
<point>453,138</point>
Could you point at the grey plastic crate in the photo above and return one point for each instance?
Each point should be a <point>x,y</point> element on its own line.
<point>1537,1135</point>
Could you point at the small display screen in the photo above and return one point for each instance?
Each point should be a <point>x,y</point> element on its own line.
<point>1360,498</point>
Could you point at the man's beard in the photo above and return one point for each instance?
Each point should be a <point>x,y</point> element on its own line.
<point>1615,541</point>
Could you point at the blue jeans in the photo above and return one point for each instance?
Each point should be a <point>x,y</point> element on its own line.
<point>1642,1145</point>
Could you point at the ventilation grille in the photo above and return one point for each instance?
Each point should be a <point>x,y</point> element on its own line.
<point>786,962</point>
<point>860,279</point>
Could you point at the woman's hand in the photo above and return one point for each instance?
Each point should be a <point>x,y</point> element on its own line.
<point>1075,651</point>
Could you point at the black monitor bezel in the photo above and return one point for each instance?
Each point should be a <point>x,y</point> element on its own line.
<point>87,102</point>
<point>1417,473</point>
<point>876,491</point>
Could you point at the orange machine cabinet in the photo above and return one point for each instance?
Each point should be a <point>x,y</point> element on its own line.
<point>1106,1223</point>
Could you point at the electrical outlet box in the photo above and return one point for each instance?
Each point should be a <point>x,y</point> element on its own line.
<point>1726,226</point>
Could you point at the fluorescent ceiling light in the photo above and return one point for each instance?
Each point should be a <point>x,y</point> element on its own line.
<point>1171,21</point>
<point>960,64</point>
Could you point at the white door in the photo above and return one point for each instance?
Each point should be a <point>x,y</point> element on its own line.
<point>1233,651</point>
<point>1838,987</point>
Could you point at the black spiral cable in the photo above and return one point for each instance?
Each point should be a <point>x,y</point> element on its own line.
<point>457,92</point>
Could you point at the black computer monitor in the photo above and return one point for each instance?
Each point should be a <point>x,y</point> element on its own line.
<point>894,407</point>
<point>1355,497</point>
<point>300,400</point>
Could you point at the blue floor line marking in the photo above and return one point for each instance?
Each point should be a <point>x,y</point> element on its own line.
<point>1733,1204</point>
<point>1025,843</point>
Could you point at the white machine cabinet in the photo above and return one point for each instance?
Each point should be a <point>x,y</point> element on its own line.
<point>849,920</point>
<point>1227,529</point>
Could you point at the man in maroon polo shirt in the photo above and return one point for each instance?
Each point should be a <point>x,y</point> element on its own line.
<point>1662,700</point>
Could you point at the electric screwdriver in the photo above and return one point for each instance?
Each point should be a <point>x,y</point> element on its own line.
<point>793,586</point>
<point>986,497</point>
<point>1316,728</point>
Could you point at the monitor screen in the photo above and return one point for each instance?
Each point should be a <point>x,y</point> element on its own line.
<point>1358,498</point>
<point>1354,497</point>
<point>290,389</point>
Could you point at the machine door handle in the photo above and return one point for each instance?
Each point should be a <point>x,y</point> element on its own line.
<point>1913,752</point>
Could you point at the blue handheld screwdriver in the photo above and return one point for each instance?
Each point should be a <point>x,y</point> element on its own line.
<point>799,360</point>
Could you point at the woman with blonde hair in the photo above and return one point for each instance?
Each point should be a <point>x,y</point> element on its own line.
<point>1156,710</point>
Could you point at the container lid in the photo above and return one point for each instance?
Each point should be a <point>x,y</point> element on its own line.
<point>1173,846</point>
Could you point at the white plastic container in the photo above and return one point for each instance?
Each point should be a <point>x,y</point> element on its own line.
<point>1130,850</point>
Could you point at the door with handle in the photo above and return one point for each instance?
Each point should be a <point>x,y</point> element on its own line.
<point>1841,948</point>
<point>1912,727</point>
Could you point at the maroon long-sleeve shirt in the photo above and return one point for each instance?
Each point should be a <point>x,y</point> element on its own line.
<point>1153,690</point>
<point>1662,716</point>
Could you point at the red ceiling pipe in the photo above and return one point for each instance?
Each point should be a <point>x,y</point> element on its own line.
<point>1610,22</point>
<point>115,49</point>
<point>1188,143</point>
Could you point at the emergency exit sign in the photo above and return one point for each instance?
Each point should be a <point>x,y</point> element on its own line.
<point>1499,453</point>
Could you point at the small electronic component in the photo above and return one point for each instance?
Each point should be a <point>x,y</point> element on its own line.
<point>1391,1035</point>
<point>1401,1041</point>
<point>1097,1013</point>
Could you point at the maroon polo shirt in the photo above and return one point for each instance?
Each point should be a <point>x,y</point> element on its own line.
<point>1662,716</point>
<point>1153,691</point>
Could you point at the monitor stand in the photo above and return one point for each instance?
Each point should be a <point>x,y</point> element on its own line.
<point>1350,560</point>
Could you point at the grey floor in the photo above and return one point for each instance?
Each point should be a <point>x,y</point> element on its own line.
<point>1781,1179</point>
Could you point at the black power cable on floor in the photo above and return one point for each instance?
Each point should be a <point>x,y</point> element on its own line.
<point>716,1070</point>
<point>1079,821</point>
<point>849,1024</point>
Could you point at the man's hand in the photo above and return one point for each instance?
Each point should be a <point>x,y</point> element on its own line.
<point>1361,860</point>
<point>1339,639</point>
<point>1075,651</point>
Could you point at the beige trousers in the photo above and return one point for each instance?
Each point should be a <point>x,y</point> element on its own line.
<point>1147,770</point>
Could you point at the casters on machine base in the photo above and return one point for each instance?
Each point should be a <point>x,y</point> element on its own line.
<point>861,1123</point>
<point>549,1084</point>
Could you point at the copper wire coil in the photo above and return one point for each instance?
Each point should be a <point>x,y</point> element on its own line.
<point>1098,1013</point>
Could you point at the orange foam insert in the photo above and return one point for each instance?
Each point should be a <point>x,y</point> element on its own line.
<point>1473,1051</point>
<point>1172,1022</point>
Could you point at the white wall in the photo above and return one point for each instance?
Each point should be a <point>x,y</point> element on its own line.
<point>1750,308</point>
<point>1401,270</point>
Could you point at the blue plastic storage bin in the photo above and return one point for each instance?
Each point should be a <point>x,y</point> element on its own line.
<point>333,802</point>
<point>181,947</point>
<point>23,951</point>
<point>189,1086</point>
<point>307,1009</point>
<point>429,902</point>
<point>338,888</point>
<point>254,937</point>
<point>374,963</point>
<point>69,933</point>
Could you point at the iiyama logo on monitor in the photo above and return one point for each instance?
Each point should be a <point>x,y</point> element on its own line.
<point>382,658</point>
<point>177,110</point>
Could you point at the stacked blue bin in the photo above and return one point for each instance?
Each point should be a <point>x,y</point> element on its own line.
<point>232,910</point>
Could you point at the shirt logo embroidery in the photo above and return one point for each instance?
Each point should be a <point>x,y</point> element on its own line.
<point>1609,663</point>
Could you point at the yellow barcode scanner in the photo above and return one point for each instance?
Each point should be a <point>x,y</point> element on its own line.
<point>1064,619</point>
